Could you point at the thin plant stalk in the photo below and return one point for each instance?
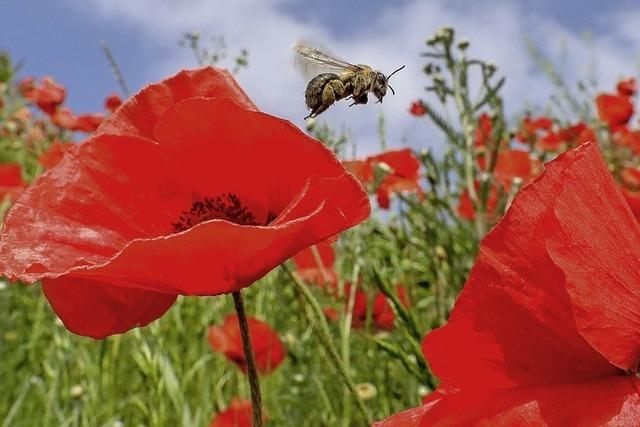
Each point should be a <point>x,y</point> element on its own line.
<point>252,371</point>
<point>319,320</point>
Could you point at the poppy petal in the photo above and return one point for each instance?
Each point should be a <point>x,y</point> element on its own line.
<point>140,114</point>
<point>515,312</point>
<point>182,263</point>
<point>199,131</point>
<point>597,245</point>
<point>611,401</point>
<point>90,308</point>
<point>408,418</point>
<point>88,207</point>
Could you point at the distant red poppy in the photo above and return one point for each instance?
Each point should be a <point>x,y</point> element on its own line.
<point>561,265</point>
<point>54,154</point>
<point>530,129</point>
<point>631,178</point>
<point>466,209</point>
<point>11,182</point>
<point>319,271</point>
<point>331,313</point>
<point>615,110</point>
<point>404,174</point>
<point>513,164</point>
<point>238,414</point>
<point>628,138</point>
<point>484,129</point>
<point>360,305</point>
<point>383,314</point>
<point>88,122</point>
<point>627,87</point>
<point>418,109</point>
<point>577,134</point>
<point>112,102</point>
<point>47,96</point>
<point>183,191</point>
<point>267,347</point>
<point>65,119</point>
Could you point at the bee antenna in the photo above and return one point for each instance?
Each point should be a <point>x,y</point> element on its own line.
<point>395,72</point>
<point>392,91</point>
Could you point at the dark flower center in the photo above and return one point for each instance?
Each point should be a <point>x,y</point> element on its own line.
<point>226,206</point>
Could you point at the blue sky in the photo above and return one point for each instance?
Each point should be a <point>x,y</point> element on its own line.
<point>61,38</point>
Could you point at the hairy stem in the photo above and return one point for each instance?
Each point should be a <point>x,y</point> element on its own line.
<point>252,371</point>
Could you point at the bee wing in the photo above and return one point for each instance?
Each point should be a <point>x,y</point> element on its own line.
<point>313,60</point>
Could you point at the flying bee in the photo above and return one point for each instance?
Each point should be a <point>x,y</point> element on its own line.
<point>337,79</point>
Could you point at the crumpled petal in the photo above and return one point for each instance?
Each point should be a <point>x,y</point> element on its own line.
<point>597,245</point>
<point>515,316</point>
<point>89,207</point>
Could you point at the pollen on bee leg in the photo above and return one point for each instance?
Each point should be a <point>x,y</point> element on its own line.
<point>226,206</point>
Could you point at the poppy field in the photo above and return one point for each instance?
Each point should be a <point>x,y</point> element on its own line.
<point>183,258</point>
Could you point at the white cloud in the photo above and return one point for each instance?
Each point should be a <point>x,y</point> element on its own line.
<point>496,29</point>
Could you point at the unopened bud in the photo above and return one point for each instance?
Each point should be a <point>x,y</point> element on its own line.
<point>366,391</point>
<point>463,44</point>
<point>76,391</point>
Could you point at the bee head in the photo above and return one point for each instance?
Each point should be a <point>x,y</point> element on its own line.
<point>381,83</point>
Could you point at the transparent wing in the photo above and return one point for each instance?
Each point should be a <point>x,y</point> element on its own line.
<point>312,60</point>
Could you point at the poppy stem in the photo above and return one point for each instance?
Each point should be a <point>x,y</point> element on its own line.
<point>320,323</point>
<point>250,357</point>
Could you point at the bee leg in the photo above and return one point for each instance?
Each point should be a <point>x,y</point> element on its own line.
<point>361,100</point>
<point>338,88</point>
<point>328,95</point>
<point>359,86</point>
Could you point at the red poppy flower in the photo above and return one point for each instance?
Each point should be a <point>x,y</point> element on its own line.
<point>513,164</point>
<point>418,109</point>
<point>383,314</point>
<point>615,110</point>
<point>26,85</point>
<point>628,138</point>
<point>466,209</point>
<point>65,119</point>
<point>530,128</point>
<point>112,102</point>
<point>238,414</point>
<point>224,196</point>
<point>403,176</point>
<point>484,129</point>
<point>47,96</point>
<point>54,154</point>
<point>88,122</point>
<point>331,313</point>
<point>631,178</point>
<point>360,305</point>
<point>319,271</point>
<point>267,347</point>
<point>577,134</point>
<point>11,182</point>
<point>627,87</point>
<point>545,331</point>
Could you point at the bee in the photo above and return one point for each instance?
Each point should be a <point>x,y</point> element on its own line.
<point>337,79</point>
